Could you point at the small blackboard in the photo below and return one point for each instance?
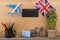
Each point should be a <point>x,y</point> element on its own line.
<point>29,13</point>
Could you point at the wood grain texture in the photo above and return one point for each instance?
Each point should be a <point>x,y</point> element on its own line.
<point>25,23</point>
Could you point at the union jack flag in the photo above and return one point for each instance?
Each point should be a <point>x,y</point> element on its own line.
<point>43,6</point>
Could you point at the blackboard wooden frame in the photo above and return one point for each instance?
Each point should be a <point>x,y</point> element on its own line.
<point>29,13</point>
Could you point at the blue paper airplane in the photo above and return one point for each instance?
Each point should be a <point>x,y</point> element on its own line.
<point>14,6</point>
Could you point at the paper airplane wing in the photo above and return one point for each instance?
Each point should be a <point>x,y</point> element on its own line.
<point>18,11</point>
<point>11,6</point>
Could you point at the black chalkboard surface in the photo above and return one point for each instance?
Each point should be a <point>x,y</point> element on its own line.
<point>29,13</point>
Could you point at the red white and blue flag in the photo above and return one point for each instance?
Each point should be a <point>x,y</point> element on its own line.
<point>43,6</point>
